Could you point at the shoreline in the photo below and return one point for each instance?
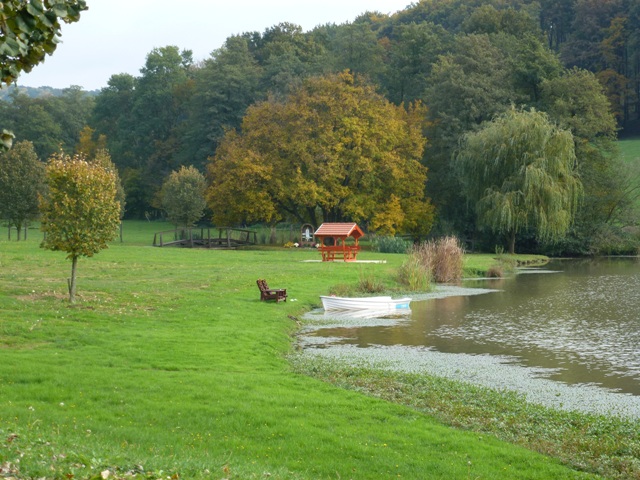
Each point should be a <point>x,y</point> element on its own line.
<point>486,371</point>
<point>499,373</point>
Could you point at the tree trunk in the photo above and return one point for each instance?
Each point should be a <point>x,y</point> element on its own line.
<point>512,242</point>
<point>19,230</point>
<point>72,280</point>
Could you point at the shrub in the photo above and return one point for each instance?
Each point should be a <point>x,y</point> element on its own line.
<point>448,263</point>
<point>442,259</point>
<point>495,272</point>
<point>369,284</point>
<point>390,245</point>
<point>413,274</point>
<point>615,241</point>
<point>505,261</point>
<point>341,290</point>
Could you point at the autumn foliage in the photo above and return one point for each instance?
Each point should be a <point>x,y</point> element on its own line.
<point>334,150</point>
<point>80,213</point>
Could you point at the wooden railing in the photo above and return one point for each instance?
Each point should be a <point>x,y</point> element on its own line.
<point>201,237</point>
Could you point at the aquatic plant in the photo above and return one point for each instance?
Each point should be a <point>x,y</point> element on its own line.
<point>413,274</point>
<point>442,258</point>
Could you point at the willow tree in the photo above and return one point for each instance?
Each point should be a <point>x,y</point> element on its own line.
<point>518,171</point>
<point>80,213</point>
<point>333,150</point>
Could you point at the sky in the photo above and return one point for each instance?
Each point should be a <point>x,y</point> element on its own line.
<point>115,36</point>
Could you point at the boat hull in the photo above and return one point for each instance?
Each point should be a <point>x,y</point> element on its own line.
<point>365,303</point>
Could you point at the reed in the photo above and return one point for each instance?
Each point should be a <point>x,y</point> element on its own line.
<point>414,275</point>
<point>447,265</point>
<point>436,260</point>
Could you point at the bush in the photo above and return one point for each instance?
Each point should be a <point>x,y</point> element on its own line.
<point>495,272</point>
<point>440,260</point>
<point>443,258</point>
<point>615,241</point>
<point>506,263</point>
<point>341,290</point>
<point>390,245</point>
<point>414,275</point>
<point>369,284</point>
<point>448,263</point>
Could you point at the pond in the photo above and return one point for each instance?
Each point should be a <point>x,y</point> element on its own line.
<point>575,322</point>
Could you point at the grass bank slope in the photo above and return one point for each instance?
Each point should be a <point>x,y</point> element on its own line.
<point>170,366</point>
<point>630,150</point>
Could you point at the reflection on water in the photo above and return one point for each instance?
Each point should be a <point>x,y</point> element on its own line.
<point>581,318</point>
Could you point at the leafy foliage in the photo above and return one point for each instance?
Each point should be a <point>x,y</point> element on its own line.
<point>80,213</point>
<point>465,60</point>
<point>30,30</point>
<point>183,196</point>
<point>102,158</point>
<point>518,170</point>
<point>21,181</point>
<point>50,122</point>
<point>225,85</point>
<point>334,147</point>
<point>385,244</point>
<point>577,102</point>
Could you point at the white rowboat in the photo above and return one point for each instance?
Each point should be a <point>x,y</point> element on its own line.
<point>364,303</point>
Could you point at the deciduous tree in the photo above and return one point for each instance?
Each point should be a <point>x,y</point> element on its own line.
<point>467,86</point>
<point>576,101</point>
<point>183,195</point>
<point>49,122</point>
<point>518,170</point>
<point>413,51</point>
<point>21,181</point>
<point>103,158</point>
<point>225,85</point>
<point>30,30</point>
<point>334,150</point>
<point>80,213</point>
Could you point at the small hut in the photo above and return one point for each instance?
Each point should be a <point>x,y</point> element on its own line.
<point>332,240</point>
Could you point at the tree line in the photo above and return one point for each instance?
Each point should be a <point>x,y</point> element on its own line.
<point>373,120</point>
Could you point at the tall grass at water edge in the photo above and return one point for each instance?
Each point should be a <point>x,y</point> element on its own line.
<point>169,366</point>
<point>438,260</point>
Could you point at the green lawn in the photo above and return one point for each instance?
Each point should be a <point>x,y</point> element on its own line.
<point>169,366</point>
<point>630,149</point>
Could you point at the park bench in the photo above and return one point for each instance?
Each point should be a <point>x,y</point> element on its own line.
<point>266,293</point>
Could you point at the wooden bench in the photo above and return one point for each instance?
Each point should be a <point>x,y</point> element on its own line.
<point>266,293</point>
<point>347,252</point>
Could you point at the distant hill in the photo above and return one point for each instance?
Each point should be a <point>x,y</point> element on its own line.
<point>35,92</point>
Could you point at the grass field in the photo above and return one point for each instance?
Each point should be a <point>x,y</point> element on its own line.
<point>169,366</point>
<point>630,149</point>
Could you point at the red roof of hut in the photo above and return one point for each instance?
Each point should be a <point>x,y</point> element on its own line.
<point>341,230</point>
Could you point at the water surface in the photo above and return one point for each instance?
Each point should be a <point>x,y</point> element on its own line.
<point>577,319</point>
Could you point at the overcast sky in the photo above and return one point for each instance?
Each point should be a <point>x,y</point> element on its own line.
<point>115,36</point>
